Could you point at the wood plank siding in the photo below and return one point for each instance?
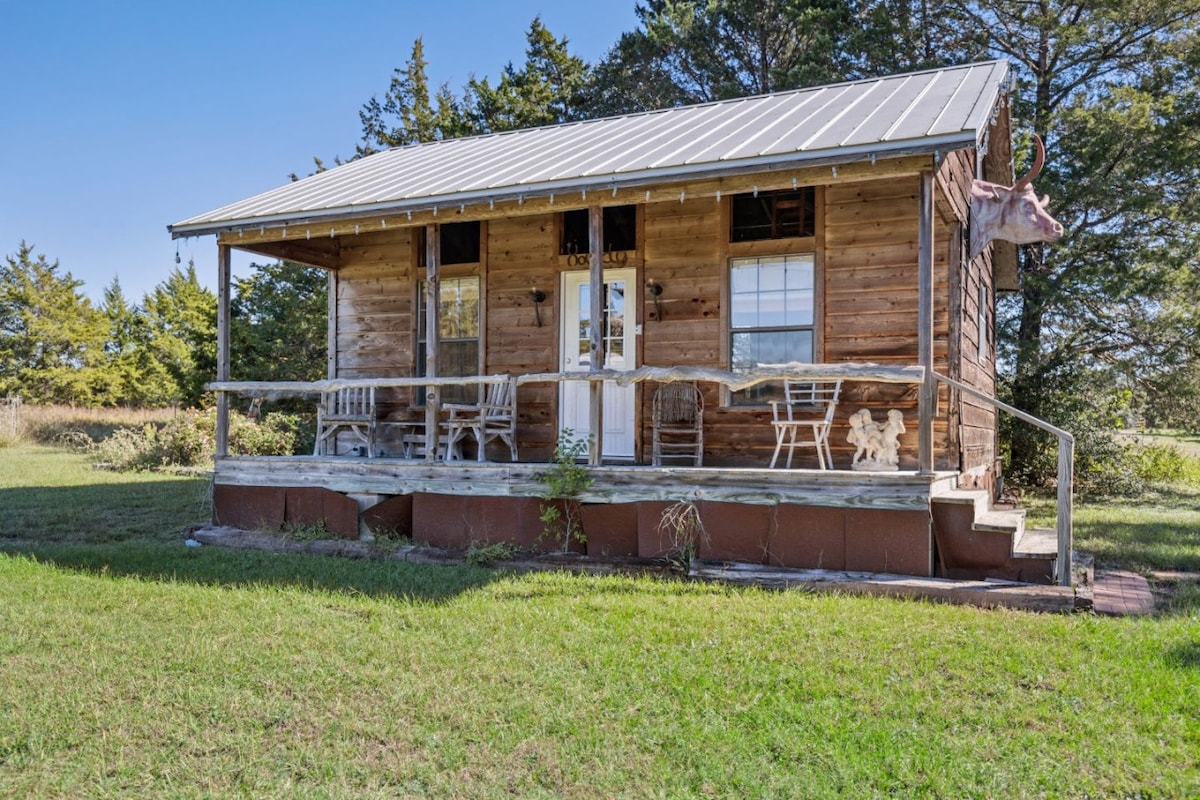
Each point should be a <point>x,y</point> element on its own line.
<point>865,254</point>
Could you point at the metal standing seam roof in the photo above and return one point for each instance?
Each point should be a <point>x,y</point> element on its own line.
<point>895,115</point>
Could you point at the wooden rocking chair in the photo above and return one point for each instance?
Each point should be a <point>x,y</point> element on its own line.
<point>678,423</point>
<point>494,418</point>
<point>806,405</point>
<point>351,409</point>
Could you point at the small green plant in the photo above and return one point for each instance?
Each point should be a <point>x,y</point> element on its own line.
<point>567,479</point>
<point>684,530</point>
<point>307,531</point>
<point>484,555</point>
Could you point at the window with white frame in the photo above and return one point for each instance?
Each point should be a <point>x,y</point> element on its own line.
<point>771,317</point>
<point>458,332</point>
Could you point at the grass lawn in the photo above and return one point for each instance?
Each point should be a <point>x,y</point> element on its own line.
<point>1158,530</point>
<point>133,666</point>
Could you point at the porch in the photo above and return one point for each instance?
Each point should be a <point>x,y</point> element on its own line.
<point>909,521</point>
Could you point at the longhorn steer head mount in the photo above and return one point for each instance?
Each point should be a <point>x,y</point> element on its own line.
<point>1012,213</point>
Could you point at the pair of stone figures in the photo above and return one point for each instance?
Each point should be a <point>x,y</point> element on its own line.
<point>877,446</point>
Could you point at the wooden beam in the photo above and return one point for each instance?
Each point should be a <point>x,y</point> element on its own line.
<point>331,325</point>
<point>928,392</point>
<point>611,484</point>
<point>596,335</point>
<point>433,392</point>
<point>223,337</point>
<point>871,373</point>
<point>323,253</point>
<point>567,200</point>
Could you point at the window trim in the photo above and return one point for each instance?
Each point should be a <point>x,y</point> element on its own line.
<point>771,247</point>
<point>728,398</point>
<point>419,326</point>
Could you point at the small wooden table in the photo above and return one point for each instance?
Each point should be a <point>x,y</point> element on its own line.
<point>412,437</point>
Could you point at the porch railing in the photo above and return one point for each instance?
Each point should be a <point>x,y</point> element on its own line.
<point>1066,472</point>
<point>733,381</point>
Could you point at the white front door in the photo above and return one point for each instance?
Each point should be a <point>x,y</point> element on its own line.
<point>620,349</point>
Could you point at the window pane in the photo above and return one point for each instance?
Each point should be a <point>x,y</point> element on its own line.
<point>743,277</point>
<point>772,274</point>
<point>771,316</point>
<point>799,308</point>
<point>772,309</point>
<point>772,215</point>
<point>458,332</point>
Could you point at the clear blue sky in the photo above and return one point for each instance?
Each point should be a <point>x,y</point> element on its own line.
<point>118,118</point>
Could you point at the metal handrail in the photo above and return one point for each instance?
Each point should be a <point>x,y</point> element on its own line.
<point>1066,472</point>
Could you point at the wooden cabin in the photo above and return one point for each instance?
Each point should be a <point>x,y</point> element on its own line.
<point>815,236</point>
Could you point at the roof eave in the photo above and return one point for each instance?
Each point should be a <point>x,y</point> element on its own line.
<point>842,155</point>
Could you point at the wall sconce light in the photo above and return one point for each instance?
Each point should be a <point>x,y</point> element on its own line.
<point>655,289</point>
<point>538,297</point>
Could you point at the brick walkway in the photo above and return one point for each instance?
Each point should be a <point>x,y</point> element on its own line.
<point>1120,594</point>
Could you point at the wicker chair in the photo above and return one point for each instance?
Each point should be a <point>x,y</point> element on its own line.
<point>678,424</point>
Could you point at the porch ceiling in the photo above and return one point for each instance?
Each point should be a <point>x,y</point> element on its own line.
<point>886,117</point>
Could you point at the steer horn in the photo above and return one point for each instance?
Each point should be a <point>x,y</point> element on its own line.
<point>1036,169</point>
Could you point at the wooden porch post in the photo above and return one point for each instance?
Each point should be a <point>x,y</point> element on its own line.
<point>433,393</point>
<point>928,393</point>
<point>223,269</point>
<point>596,335</point>
<point>331,325</point>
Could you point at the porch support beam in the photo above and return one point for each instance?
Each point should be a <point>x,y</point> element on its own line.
<point>223,278</point>
<point>596,335</point>
<point>927,397</point>
<point>331,325</point>
<point>433,392</point>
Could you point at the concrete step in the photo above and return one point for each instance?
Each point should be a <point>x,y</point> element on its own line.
<point>976,497</point>
<point>1011,522</point>
<point>1036,543</point>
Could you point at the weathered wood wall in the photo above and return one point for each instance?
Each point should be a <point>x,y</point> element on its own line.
<point>973,352</point>
<point>866,260</point>
<point>376,314</point>
<point>522,255</point>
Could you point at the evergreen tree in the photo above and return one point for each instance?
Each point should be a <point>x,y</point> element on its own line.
<point>120,382</point>
<point>278,323</point>
<point>550,88</point>
<point>1111,87</point>
<point>51,338</point>
<point>407,114</point>
<point>179,350</point>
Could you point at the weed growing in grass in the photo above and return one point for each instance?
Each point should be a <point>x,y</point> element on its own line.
<point>681,525</point>
<point>565,481</point>
<point>307,531</point>
<point>484,555</point>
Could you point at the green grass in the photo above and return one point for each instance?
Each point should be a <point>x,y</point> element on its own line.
<point>1185,442</point>
<point>56,495</point>
<point>142,668</point>
<point>1158,530</point>
<point>560,686</point>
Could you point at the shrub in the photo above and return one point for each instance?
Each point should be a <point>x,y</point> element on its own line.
<point>1163,463</point>
<point>189,441</point>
